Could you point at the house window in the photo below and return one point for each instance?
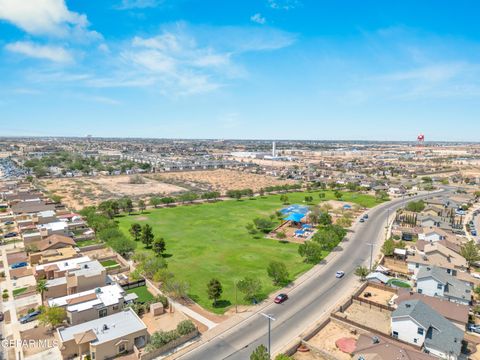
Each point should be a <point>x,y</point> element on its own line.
<point>395,334</point>
<point>92,355</point>
<point>102,313</point>
<point>415,340</point>
<point>420,331</point>
<point>448,271</point>
<point>439,286</point>
<point>417,265</point>
<point>121,348</point>
<point>115,307</point>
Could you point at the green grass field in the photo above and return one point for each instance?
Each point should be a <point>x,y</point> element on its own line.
<point>142,292</point>
<point>112,264</point>
<point>210,240</point>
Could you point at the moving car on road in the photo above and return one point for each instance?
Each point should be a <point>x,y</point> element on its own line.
<point>280,298</point>
<point>340,274</point>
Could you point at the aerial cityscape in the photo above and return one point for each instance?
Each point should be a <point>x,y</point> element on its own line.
<point>254,180</point>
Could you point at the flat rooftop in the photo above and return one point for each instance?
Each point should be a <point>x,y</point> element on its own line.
<point>105,329</point>
<point>104,296</point>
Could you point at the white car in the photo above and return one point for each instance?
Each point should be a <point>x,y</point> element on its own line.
<point>339,274</point>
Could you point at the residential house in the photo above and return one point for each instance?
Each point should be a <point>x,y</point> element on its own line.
<point>455,312</point>
<point>416,323</point>
<point>374,347</point>
<point>103,338</point>
<point>433,281</point>
<point>94,303</point>
<point>436,254</point>
<point>53,255</point>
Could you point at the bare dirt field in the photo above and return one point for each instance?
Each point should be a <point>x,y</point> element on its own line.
<point>368,316</point>
<point>77,193</point>
<point>379,296</point>
<point>220,180</point>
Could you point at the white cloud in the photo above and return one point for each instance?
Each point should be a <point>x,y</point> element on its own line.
<point>46,17</point>
<point>284,4</point>
<point>48,52</point>
<point>258,18</point>
<point>138,4</point>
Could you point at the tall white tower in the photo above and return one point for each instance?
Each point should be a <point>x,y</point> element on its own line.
<point>274,152</point>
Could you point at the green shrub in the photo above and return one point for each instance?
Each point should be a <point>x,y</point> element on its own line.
<point>185,327</point>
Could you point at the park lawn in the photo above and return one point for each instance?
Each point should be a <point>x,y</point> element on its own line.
<point>209,240</point>
<point>143,294</point>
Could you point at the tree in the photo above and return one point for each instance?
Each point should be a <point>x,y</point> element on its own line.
<point>260,353</point>
<point>147,235</point>
<point>252,230</point>
<point>52,316</point>
<point>284,199</point>
<point>278,272</point>
<point>361,272</point>
<point>167,200</point>
<point>141,205</point>
<point>308,199</point>
<point>136,231</point>
<point>126,204</point>
<point>176,289</point>
<point>338,194</point>
<point>159,246</point>
<point>324,218</point>
<point>344,222</point>
<point>122,245</point>
<point>214,290</point>
<point>415,206</point>
<point>311,251</point>
<point>321,195</point>
<point>41,287</point>
<point>388,247</point>
<point>155,201</point>
<point>250,287</point>
<point>283,357</point>
<point>470,252</point>
<point>264,225</point>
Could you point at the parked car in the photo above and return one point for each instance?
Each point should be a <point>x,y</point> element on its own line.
<point>365,216</point>
<point>280,298</point>
<point>474,328</point>
<point>339,274</point>
<point>29,317</point>
<point>474,232</point>
<point>19,265</point>
<point>8,222</point>
<point>10,235</point>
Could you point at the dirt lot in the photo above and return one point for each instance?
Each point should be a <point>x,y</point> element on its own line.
<point>397,266</point>
<point>220,180</point>
<point>369,317</point>
<point>325,340</point>
<point>378,295</point>
<point>79,192</point>
<point>167,321</point>
<point>39,333</point>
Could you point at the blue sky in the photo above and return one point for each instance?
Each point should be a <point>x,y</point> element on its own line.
<point>275,69</point>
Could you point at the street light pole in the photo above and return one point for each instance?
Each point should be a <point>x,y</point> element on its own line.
<point>371,254</point>
<point>270,319</point>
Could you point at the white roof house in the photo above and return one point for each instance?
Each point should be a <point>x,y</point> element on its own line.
<point>107,328</point>
<point>64,265</point>
<point>103,296</point>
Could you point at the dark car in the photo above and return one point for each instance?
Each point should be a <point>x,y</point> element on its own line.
<point>281,298</point>
<point>362,220</point>
<point>29,317</point>
<point>8,222</point>
<point>10,235</point>
<point>365,216</point>
<point>19,265</point>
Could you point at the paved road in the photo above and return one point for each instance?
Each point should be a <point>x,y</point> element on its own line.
<point>309,301</point>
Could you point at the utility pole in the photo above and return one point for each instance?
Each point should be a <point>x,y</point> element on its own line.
<point>236,299</point>
<point>371,254</point>
<point>270,319</point>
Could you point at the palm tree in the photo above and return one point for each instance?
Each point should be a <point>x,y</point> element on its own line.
<point>41,287</point>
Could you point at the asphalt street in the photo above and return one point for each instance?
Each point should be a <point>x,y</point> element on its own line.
<point>308,301</point>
